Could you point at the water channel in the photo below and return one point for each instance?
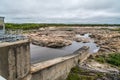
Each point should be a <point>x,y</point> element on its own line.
<point>39,53</point>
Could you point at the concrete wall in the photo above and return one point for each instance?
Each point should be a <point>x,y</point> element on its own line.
<point>59,68</point>
<point>15,63</point>
<point>15,60</point>
<point>2,26</point>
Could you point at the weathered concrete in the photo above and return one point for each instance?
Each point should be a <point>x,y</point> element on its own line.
<point>15,63</point>
<point>2,26</point>
<point>15,60</point>
<point>59,68</point>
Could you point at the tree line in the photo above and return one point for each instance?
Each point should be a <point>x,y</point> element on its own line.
<point>27,26</point>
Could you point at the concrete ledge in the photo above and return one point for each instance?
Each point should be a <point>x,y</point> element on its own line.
<point>4,44</point>
<point>59,68</point>
<point>39,66</point>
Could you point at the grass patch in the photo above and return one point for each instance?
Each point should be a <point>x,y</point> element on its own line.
<point>113,59</point>
<point>100,59</point>
<point>82,74</point>
<point>84,77</point>
<point>73,76</point>
<point>116,29</point>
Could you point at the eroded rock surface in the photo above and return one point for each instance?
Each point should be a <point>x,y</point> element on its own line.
<point>53,39</point>
<point>54,42</point>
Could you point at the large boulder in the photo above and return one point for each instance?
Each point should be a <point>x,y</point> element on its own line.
<point>82,39</point>
<point>53,42</point>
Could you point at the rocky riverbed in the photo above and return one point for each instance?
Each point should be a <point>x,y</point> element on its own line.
<point>56,39</point>
<point>48,38</point>
<point>61,37</point>
<point>53,39</point>
<point>105,38</point>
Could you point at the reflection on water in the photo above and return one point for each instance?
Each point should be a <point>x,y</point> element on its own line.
<point>44,53</point>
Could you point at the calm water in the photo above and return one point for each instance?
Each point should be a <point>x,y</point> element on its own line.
<point>39,53</point>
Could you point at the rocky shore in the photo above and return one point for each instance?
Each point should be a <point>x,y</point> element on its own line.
<point>55,39</point>
<point>106,39</point>
<point>52,41</point>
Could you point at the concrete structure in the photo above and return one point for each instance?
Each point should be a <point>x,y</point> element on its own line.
<point>15,63</point>
<point>59,68</point>
<point>15,60</point>
<point>8,37</point>
<point>2,26</point>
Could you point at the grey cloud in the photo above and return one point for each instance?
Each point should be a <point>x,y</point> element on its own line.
<point>61,11</point>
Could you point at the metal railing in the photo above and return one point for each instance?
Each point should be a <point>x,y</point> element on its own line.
<point>11,36</point>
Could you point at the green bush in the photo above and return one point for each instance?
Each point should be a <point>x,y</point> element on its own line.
<point>73,76</point>
<point>100,59</point>
<point>113,59</point>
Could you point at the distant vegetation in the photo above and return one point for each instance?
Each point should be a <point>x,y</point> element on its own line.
<point>24,26</point>
<point>27,26</point>
<point>113,59</point>
<point>116,29</point>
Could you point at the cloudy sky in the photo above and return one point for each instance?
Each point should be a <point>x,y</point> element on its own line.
<point>61,11</point>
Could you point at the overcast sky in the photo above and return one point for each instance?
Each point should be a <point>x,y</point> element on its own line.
<point>61,11</point>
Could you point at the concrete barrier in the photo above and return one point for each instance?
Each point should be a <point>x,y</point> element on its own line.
<point>15,63</point>
<point>15,60</point>
<point>59,68</point>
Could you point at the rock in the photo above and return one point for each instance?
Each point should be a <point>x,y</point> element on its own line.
<point>99,79</point>
<point>53,42</point>
<point>82,39</point>
<point>92,74</point>
<point>105,78</point>
<point>107,40</point>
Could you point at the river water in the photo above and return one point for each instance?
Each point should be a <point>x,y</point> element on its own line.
<point>39,53</point>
